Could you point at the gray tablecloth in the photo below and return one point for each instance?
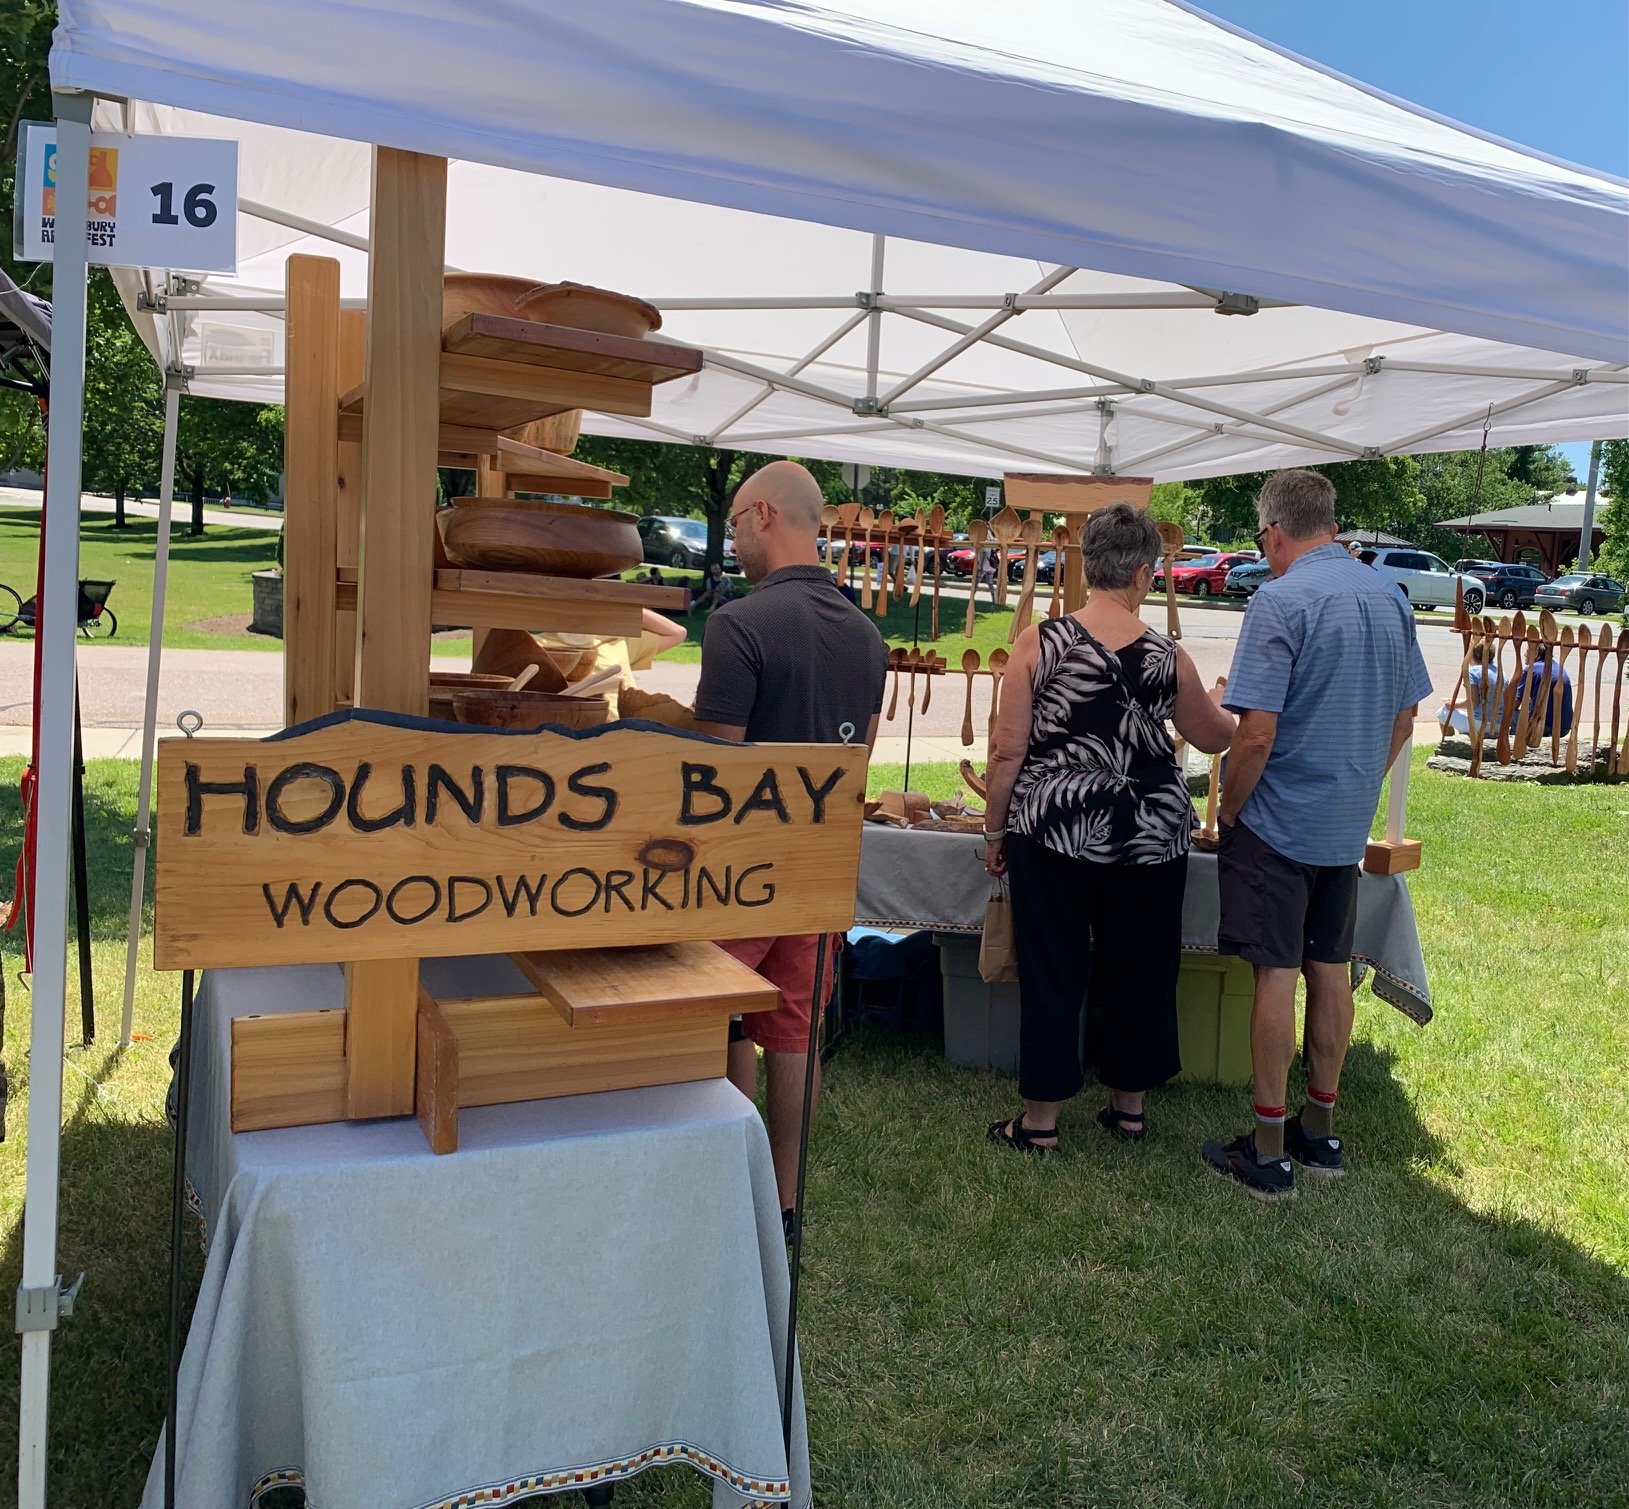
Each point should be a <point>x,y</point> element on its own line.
<point>587,1287</point>
<point>912,878</point>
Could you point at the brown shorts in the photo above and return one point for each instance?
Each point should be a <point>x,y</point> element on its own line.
<point>1277,912</point>
<point>789,965</point>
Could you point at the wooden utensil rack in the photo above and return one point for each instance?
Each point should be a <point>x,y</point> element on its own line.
<point>376,400</point>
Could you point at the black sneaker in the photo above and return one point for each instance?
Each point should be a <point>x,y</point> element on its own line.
<point>1270,1181</point>
<point>1319,1156</point>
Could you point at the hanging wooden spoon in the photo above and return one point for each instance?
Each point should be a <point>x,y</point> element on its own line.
<point>977,534</point>
<point>1582,680</point>
<point>936,529</point>
<point>921,524</point>
<point>828,522</point>
<point>885,527</point>
<point>1603,651</point>
<point>866,520</point>
<point>895,660</point>
<point>930,665</point>
<point>847,515</point>
<point>998,669</point>
<point>911,527</point>
<point>1493,702</point>
<point>1060,543</point>
<point>1170,544</point>
<point>1005,527</point>
<point>1558,670</point>
<point>1513,697</point>
<point>970,667</point>
<point>1029,536</point>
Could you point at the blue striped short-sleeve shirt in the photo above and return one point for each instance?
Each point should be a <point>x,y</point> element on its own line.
<point>1330,647</point>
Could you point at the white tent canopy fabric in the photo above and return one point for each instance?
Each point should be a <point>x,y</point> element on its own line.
<point>833,205</point>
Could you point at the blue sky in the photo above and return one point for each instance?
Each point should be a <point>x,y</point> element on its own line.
<point>1548,76</point>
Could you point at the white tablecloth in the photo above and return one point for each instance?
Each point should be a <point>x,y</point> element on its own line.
<point>589,1286</point>
<point>912,878</point>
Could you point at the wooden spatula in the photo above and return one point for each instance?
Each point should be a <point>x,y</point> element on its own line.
<point>936,528</point>
<point>977,534</point>
<point>866,520</point>
<point>970,668</point>
<point>1550,633</point>
<point>1603,651</point>
<point>1515,691</point>
<point>1558,669</point>
<point>998,669</point>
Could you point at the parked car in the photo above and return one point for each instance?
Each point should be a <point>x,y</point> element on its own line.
<point>1509,586</point>
<point>960,562</point>
<point>1245,579</point>
<point>1206,576</point>
<point>1468,567</point>
<point>1583,592</point>
<point>1424,579</point>
<point>670,541</point>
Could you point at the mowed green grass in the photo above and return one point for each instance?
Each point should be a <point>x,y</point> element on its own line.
<point>1449,1326</point>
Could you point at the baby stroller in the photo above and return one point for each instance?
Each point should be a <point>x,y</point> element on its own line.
<point>96,620</point>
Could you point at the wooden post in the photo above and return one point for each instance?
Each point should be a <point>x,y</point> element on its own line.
<point>490,482</point>
<point>401,419</point>
<point>353,366</point>
<point>311,488</point>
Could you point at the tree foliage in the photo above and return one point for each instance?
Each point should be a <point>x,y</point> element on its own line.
<point>1613,556</point>
<point>124,403</point>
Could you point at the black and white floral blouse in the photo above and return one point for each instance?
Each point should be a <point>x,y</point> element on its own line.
<point>1100,780</point>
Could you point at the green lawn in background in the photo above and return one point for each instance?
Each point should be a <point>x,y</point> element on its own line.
<point>1113,1328</point>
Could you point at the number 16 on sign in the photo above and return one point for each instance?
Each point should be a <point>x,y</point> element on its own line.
<point>155,201</point>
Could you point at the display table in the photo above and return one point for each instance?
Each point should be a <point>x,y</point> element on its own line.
<point>910,878</point>
<point>590,1286</point>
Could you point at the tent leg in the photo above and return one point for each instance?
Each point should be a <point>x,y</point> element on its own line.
<point>149,721</point>
<point>40,1282</point>
<point>87,988</point>
<point>817,1011</point>
<point>178,1206</point>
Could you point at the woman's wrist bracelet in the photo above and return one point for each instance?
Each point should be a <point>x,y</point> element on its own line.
<point>996,837</point>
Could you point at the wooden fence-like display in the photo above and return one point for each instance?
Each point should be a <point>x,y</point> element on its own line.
<point>1512,693</point>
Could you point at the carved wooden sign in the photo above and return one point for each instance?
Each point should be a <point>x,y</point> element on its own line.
<point>363,838</point>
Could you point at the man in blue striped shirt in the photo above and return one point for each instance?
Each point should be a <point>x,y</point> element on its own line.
<point>1326,680</point>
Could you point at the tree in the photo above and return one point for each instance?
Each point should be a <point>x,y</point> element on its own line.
<point>1613,556</point>
<point>237,446</point>
<point>124,403</point>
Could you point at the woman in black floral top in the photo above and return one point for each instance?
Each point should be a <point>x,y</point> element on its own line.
<point>1089,814</point>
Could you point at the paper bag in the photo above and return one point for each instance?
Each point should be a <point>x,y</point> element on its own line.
<point>998,956</point>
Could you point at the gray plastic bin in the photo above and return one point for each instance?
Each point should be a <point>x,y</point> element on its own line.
<point>981,1021</point>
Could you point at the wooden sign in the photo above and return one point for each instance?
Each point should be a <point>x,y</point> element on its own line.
<point>380,838</point>
<point>1044,492</point>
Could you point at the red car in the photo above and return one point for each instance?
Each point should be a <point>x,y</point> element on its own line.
<point>1206,577</point>
<point>959,562</point>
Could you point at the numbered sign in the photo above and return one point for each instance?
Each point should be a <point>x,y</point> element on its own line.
<point>155,201</point>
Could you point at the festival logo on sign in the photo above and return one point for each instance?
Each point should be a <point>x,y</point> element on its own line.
<point>103,200</point>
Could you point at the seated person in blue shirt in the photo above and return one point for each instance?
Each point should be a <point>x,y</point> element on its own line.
<point>1482,681</point>
<point>1538,692</point>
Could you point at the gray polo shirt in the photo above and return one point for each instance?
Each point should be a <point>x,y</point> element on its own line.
<point>792,662</point>
<point>1330,647</point>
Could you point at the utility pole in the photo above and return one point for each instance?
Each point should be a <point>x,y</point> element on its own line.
<point>1588,531</point>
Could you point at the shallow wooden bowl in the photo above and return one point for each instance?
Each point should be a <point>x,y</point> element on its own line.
<point>445,684</point>
<point>551,539</point>
<point>481,293</point>
<point>585,308</point>
<point>556,432</point>
<point>528,709</point>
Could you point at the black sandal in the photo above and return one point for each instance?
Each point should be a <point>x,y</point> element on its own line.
<point>1114,1123</point>
<point>1014,1134</point>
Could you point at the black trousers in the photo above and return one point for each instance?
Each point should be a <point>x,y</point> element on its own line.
<point>1101,939</point>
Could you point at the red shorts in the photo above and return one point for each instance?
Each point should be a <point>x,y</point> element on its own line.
<point>789,965</point>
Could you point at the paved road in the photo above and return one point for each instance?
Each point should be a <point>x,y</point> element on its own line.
<point>241,690</point>
<point>21,497</point>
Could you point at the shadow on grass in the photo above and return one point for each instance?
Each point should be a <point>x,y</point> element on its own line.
<point>139,538</point>
<point>1118,1327</point>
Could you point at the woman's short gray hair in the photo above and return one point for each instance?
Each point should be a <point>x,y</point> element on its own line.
<point>1117,542</point>
<point>1301,503</point>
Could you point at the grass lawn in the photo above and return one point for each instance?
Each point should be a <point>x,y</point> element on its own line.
<point>1448,1326</point>
<point>210,592</point>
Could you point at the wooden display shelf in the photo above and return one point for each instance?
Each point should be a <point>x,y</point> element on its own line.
<point>666,982</point>
<point>514,600</point>
<point>564,348</point>
<point>526,469</point>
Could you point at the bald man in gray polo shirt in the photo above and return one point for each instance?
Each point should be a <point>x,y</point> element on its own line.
<point>1326,680</point>
<point>794,662</point>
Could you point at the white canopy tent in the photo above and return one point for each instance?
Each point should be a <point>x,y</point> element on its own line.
<point>1068,235</point>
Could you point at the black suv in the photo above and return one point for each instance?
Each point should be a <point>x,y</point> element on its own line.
<point>1508,586</point>
<point>671,541</point>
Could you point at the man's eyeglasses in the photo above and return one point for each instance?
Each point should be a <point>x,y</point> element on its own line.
<point>1261,534</point>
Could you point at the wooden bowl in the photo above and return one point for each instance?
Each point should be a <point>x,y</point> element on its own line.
<point>529,709</point>
<point>505,653</point>
<point>444,684</point>
<point>585,308</point>
<point>551,539</point>
<point>481,293</point>
<point>557,433</point>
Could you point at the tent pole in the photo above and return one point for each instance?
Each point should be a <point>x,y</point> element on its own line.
<point>82,929</point>
<point>38,1297</point>
<point>873,334</point>
<point>1586,534</point>
<point>142,837</point>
